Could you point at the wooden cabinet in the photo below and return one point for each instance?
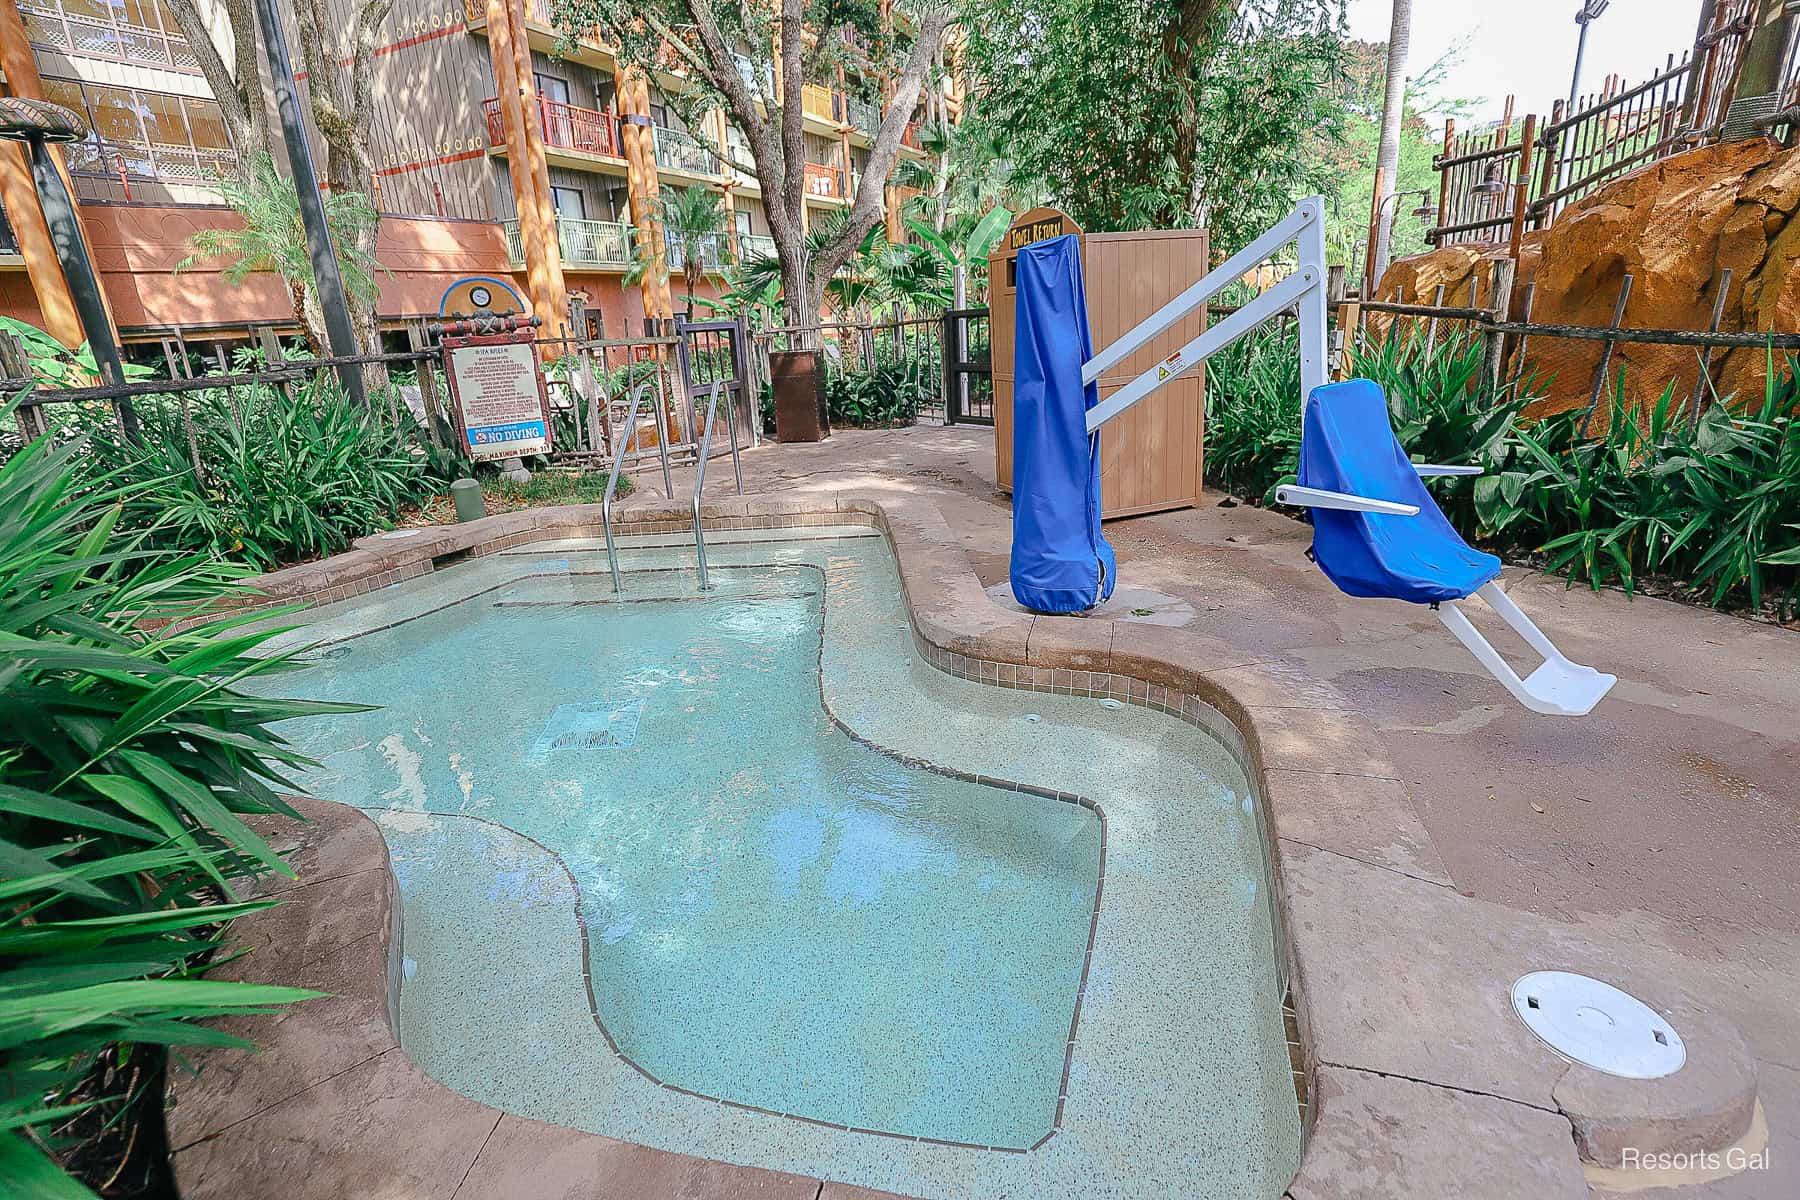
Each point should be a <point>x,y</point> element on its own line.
<point>1151,456</point>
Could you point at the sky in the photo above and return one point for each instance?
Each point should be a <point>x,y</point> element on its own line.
<point>1527,47</point>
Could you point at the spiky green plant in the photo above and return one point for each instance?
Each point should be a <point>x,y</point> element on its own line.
<point>129,761</point>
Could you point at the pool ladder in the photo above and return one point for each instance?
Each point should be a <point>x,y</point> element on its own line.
<point>629,434</point>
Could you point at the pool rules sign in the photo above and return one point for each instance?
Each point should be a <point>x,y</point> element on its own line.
<point>497,387</point>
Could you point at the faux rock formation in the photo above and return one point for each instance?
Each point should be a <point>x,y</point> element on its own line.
<point>1673,227</point>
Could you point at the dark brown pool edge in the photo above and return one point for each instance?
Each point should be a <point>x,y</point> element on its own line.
<point>1345,849</point>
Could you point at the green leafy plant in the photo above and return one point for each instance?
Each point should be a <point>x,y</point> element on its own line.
<point>278,480</point>
<point>1711,505</point>
<point>129,762</point>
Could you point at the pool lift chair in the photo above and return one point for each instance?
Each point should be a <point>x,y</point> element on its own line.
<point>1377,532</point>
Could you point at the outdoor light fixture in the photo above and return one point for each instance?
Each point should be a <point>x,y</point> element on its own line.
<point>1491,184</point>
<point>1426,210</point>
<point>40,124</point>
<point>1589,11</point>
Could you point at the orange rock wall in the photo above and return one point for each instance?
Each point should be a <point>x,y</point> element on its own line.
<point>1672,226</point>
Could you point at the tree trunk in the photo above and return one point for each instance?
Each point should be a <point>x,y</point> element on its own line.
<point>1188,32</point>
<point>799,308</point>
<point>342,102</point>
<point>1387,155</point>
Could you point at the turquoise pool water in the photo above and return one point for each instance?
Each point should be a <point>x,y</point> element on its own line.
<point>777,915</point>
<point>659,851</point>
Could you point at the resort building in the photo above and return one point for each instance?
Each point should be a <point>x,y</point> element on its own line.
<point>447,174</point>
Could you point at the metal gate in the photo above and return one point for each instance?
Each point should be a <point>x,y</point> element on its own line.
<point>709,352</point>
<point>968,368</point>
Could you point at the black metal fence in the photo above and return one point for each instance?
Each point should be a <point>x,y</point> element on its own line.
<point>968,367</point>
<point>906,352</point>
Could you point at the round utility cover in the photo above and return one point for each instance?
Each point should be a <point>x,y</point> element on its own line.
<point>1597,1025</point>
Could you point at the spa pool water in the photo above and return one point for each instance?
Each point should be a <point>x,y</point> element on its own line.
<point>644,871</point>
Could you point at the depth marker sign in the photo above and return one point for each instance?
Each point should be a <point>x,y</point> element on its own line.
<point>502,407</point>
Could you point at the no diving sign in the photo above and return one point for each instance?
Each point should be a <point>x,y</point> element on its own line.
<point>501,405</point>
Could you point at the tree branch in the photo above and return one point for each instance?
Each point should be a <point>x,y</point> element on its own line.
<point>867,208</point>
<point>239,95</point>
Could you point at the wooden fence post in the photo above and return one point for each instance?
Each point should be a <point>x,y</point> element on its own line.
<point>1518,347</point>
<point>1443,184</point>
<point>1618,318</point>
<point>1500,305</point>
<point>435,427</point>
<point>1718,314</point>
<point>1437,301</point>
<point>14,365</point>
<point>1522,184</point>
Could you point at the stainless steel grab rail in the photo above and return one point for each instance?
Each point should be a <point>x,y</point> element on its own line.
<point>712,412</point>
<point>626,436</point>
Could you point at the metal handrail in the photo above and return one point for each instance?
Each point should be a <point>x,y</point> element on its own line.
<point>612,484</point>
<point>712,412</point>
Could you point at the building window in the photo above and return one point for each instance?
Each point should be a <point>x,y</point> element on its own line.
<point>141,32</point>
<point>549,87</point>
<point>569,202</point>
<point>146,135</point>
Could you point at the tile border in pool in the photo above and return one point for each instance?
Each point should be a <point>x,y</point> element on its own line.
<point>1349,862</point>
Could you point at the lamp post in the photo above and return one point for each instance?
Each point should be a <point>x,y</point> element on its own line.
<point>1589,11</point>
<point>312,208</point>
<point>39,124</point>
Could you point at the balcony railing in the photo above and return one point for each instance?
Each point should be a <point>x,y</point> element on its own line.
<point>122,41</point>
<point>865,116</point>
<point>714,251</point>
<point>176,166</point>
<point>565,126</point>
<point>9,241</point>
<point>821,102</point>
<point>755,245</point>
<point>535,10</point>
<point>910,137</point>
<point>822,180</point>
<point>582,243</point>
<point>679,151</point>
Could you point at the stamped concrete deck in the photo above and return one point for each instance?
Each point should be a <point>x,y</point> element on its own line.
<point>1671,815</point>
<point>1433,842</point>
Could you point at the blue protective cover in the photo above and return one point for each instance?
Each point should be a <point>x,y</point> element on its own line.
<point>1061,562</point>
<point>1348,445</point>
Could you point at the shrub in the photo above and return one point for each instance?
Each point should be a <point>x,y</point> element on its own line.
<point>1713,505</point>
<point>1253,414</point>
<point>128,762</point>
<point>280,479</point>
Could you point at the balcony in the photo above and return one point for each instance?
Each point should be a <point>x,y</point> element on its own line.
<point>566,127</point>
<point>755,245</point>
<point>910,136</point>
<point>678,151</point>
<point>9,241</point>
<point>582,243</point>
<point>190,175</point>
<point>715,252</point>
<point>865,116</point>
<point>824,183</point>
<point>593,47</point>
<point>121,41</point>
<point>821,103</point>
